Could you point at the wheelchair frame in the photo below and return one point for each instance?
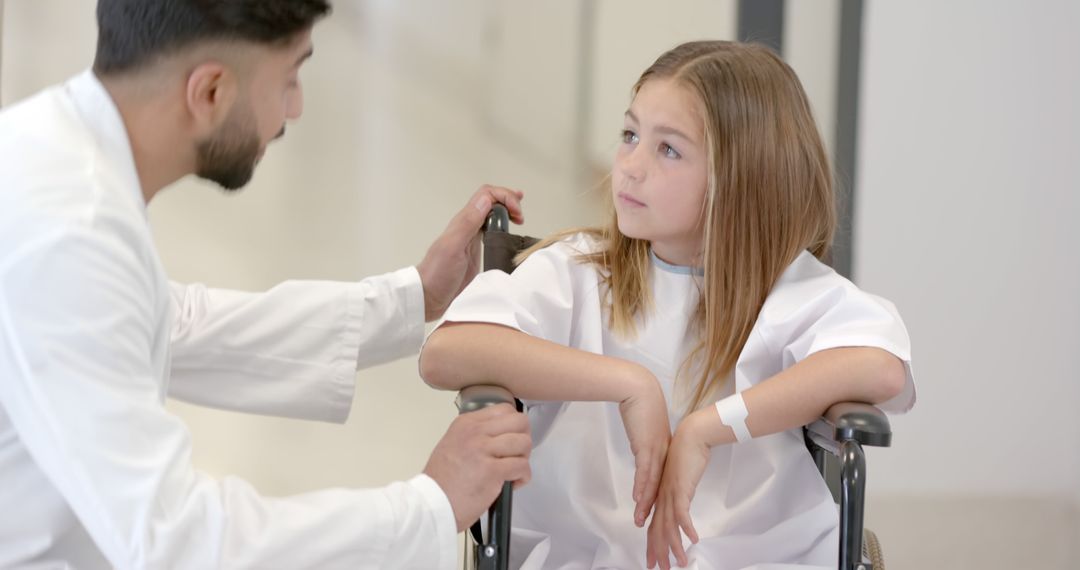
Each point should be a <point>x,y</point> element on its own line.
<point>835,441</point>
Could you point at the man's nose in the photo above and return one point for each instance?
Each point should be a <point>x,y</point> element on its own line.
<point>294,106</point>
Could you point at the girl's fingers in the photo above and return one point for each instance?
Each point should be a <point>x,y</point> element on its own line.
<point>687,525</point>
<point>676,543</point>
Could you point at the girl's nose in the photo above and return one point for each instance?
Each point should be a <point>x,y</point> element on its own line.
<point>631,165</point>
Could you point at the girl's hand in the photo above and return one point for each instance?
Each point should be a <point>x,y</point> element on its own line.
<point>686,461</point>
<point>644,415</point>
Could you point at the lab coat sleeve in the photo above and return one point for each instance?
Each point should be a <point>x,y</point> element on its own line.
<point>827,311</point>
<point>294,350</point>
<point>78,384</point>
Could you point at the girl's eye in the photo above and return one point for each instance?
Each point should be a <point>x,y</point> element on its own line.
<point>669,152</point>
<point>629,137</point>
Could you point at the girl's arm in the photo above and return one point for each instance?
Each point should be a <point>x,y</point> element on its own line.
<point>803,393</point>
<point>458,355</point>
<point>790,399</point>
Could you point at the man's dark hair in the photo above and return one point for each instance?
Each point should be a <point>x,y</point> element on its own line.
<point>133,33</point>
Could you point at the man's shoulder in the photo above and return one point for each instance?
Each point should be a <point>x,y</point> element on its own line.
<point>53,185</point>
<point>43,143</point>
<point>51,171</point>
<point>37,121</point>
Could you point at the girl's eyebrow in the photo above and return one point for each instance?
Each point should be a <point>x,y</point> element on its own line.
<point>662,129</point>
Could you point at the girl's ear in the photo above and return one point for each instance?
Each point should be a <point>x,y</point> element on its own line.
<point>211,91</point>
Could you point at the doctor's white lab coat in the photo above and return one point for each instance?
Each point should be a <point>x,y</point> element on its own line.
<point>94,472</point>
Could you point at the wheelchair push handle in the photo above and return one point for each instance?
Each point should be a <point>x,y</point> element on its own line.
<point>498,219</point>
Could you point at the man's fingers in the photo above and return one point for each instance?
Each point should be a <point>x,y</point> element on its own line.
<point>503,421</point>
<point>514,469</point>
<point>472,217</point>
<point>509,198</point>
<point>510,445</point>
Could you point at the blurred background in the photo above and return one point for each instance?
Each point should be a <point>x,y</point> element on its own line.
<point>955,131</point>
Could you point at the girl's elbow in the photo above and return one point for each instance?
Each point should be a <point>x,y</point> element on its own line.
<point>433,363</point>
<point>891,377</point>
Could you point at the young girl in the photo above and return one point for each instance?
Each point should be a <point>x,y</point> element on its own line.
<point>705,288</point>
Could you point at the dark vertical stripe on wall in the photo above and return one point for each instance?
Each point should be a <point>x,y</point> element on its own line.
<point>847,113</point>
<point>1,48</point>
<point>762,21</point>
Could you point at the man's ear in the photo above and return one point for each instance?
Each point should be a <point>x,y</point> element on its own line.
<point>212,89</point>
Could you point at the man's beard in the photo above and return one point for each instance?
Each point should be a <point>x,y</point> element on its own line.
<point>228,157</point>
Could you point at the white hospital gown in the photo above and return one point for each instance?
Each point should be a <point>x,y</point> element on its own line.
<point>760,504</point>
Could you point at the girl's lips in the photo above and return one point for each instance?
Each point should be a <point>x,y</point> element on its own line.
<point>626,199</point>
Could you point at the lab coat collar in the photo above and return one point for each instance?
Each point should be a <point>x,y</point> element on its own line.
<point>99,113</point>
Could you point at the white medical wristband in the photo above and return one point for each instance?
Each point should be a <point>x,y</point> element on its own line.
<point>733,413</point>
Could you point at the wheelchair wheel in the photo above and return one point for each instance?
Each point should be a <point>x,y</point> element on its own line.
<point>871,548</point>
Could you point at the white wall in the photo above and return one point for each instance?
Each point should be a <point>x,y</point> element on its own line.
<point>629,36</point>
<point>445,43</point>
<point>969,197</point>
<point>533,79</point>
<point>29,63</point>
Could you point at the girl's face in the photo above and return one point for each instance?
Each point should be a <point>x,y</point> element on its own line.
<point>659,178</point>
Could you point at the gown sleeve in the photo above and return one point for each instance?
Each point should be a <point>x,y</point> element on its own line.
<point>551,295</point>
<point>813,309</point>
<point>538,298</point>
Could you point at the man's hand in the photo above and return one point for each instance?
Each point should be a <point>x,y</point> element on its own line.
<point>454,258</point>
<point>480,451</point>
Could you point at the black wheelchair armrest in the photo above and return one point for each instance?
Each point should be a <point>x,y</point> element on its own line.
<point>842,432</point>
<point>856,421</point>
<point>472,398</point>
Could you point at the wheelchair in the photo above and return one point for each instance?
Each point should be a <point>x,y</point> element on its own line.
<point>835,441</point>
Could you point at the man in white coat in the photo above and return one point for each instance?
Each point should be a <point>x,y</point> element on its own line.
<point>94,471</point>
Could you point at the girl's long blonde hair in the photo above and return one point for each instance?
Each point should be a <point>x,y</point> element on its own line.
<point>769,197</point>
